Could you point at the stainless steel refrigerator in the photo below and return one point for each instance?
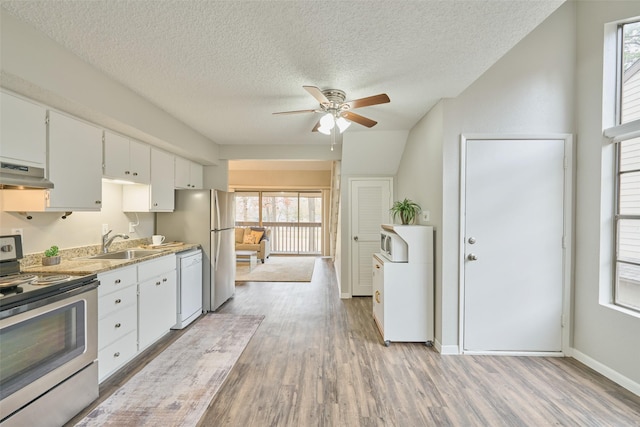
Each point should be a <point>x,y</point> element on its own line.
<point>206,217</point>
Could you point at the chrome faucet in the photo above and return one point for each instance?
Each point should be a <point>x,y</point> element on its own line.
<point>106,240</point>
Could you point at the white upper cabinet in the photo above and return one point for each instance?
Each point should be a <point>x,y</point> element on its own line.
<point>23,131</point>
<point>75,164</point>
<point>188,174</point>
<point>157,197</point>
<point>126,159</point>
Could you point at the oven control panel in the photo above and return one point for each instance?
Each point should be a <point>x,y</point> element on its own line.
<point>10,248</point>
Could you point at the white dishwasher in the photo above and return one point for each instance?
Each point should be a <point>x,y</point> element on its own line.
<point>189,271</point>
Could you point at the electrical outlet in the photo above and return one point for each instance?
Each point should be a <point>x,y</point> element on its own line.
<point>426,215</point>
<point>105,229</point>
<point>17,231</point>
<point>132,227</point>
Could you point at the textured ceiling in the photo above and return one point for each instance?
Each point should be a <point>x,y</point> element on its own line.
<point>222,67</point>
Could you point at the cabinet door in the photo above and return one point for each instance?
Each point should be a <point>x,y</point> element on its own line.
<point>157,308</point>
<point>162,181</point>
<point>378,293</point>
<point>140,162</point>
<point>116,156</point>
<point>183,173</point>
<point>75,164</point>
<point>23,131</point>
<point>196,179</point>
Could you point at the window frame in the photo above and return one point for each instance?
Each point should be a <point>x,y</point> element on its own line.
<point>618,134</point>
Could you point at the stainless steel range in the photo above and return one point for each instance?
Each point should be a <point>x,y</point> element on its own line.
<point>48,342</point>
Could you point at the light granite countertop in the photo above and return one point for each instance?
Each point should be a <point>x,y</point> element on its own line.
<point>76,261</point>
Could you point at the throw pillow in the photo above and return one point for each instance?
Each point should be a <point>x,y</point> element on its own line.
<point>249,239</point>
<point>257,235</point>
<point>239,235</point>
<point>264,234</point>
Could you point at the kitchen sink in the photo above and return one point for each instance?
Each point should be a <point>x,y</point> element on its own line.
<point>128,254</point>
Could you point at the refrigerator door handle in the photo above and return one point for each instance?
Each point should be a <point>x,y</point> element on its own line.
<point>217,204</point>
<point>218,238</point>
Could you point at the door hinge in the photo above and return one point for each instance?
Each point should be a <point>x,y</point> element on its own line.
<point>46,119</point>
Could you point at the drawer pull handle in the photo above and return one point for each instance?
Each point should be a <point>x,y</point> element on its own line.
<point>378,297</point>
<point>116,354</point>
<point>118,301</point>
<point>118,325</point>
<point>117,281</point>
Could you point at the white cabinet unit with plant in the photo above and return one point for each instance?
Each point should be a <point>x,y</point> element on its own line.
<point>157,305</point>
<point>188,174</point>
<point>126,159</point>
<point>117,319</point>
<point>23,131</point>
<point>157,197</point>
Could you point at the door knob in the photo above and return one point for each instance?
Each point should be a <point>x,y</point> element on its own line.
<point>355,238</point>
<point>471,240</point>
<point>472,257</point>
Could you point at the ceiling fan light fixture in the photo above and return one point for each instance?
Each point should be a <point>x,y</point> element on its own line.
<point>325,130</point>
<point>327,121</point>
<point>343,124</point>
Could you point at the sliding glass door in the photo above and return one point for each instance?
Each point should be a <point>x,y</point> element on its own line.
<point>295,218</point>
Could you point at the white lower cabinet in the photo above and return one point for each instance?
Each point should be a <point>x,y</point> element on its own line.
<point>136,306</point>
<point>117,319</point>
<point>157,296</point>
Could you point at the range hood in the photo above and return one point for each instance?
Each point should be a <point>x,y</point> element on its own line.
<point>17,176</point>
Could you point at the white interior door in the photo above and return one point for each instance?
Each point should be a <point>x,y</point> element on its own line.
<point>370,204</point>
<point>513,226</point>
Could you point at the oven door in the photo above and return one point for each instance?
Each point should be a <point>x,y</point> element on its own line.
<point>46,343</point>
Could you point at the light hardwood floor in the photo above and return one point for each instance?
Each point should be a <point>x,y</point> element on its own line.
<point>317,360</point>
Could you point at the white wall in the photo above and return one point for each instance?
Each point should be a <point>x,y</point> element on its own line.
<point>605,338</point>
<point>372,154</point>
<point>80,228</point>
<point>35,66</point>
<point>528,91</point>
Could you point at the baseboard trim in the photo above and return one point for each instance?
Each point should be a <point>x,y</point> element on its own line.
<point>603,369</point>
<point>446,349</point>
<point>345,295</point>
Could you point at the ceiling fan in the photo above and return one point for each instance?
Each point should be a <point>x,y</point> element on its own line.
<point>336,112</point>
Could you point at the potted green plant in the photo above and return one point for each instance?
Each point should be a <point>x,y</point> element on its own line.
<point>51,256</point>
<point>407,210</point>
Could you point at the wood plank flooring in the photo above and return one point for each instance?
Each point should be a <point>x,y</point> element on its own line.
<point>317,360</point>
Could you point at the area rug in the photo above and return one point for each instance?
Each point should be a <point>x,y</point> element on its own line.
<point>176,387</point>
<point>278,269</point>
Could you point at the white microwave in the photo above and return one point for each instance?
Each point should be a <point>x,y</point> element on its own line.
<point>392,247</point>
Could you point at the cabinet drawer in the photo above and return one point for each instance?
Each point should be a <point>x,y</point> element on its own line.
<point>156,267</point>
<point>117,279</point>
<point>117,300</point>
<point>116,354</point>
<point>116,325</point>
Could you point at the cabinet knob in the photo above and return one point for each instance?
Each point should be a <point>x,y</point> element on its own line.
<point>377,266</point>
<point>117,281</point>
<point>116,354</point>
<point>158,283</point>
<point>127,172</point>
<point>98,202</point>
<point>135,174</point>
<point>378,297</point>
<point>118,325</point>
<point>155,204</point>
<point>118,301</point>
<point>164,280</point>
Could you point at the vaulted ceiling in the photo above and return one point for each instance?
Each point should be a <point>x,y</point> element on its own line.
<point>223,67</point>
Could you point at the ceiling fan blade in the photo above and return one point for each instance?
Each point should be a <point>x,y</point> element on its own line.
<point>359,119</point>
<point>370,100</point>
<point>315,128</point>
<point>295,112</point>
<point>317,94</point>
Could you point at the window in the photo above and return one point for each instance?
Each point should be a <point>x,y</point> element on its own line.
<point>295,218</point>
<point>626,290</point>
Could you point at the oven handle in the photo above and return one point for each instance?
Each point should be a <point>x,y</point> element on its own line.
<point>64,294</point>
